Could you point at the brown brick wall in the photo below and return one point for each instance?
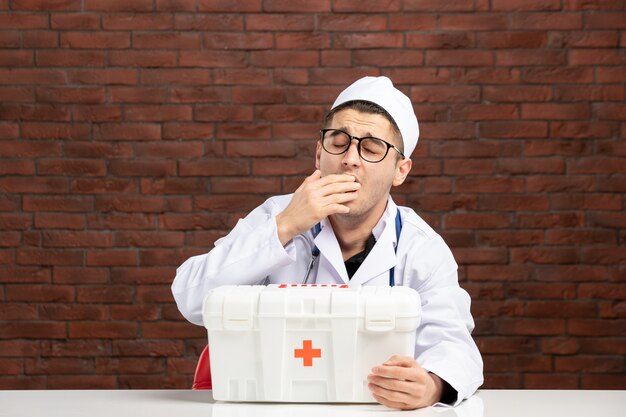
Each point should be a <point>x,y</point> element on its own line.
<point>133,133</point>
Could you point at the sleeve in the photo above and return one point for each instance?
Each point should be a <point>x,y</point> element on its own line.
<point>245,256</point>
<point>444,345</point>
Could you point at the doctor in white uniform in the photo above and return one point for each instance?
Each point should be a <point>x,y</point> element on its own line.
<point>341,226</point>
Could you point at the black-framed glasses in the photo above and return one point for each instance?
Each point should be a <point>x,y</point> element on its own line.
<point>371,149</point>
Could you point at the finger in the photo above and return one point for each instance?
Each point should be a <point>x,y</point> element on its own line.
<point>339,187</point>
<point>398,360</point>
<point>414,373</point>
<point>331,178</point>
<point>398,399</point>
<point>392,384</point>
<point>316,175</point>
<point>391,404</point>
<point>338,198</point>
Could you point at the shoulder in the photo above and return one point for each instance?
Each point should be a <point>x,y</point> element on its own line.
<point>418,229</point>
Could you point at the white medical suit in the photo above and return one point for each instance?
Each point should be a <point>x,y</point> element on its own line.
<point>252,254</point>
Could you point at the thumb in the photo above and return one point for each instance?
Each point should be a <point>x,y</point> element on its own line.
<point>316,175</point>
<point>405,361</point>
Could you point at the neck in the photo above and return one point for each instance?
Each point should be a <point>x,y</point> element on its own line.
<point>353,231</point>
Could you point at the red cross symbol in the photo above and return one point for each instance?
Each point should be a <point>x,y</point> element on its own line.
<point>307,353</point>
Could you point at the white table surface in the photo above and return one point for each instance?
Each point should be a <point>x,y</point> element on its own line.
<point>187,403</point>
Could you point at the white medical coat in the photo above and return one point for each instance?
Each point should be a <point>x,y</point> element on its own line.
<point>252,254</point>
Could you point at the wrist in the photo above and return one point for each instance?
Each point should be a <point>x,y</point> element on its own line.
<point>283,229</point>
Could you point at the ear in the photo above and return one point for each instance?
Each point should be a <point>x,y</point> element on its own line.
<point>403,168</point>
<point>318,154</point>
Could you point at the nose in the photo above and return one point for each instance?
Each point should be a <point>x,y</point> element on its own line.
<point>351,157</point>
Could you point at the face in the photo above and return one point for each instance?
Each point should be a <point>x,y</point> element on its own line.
<point>376,178</point>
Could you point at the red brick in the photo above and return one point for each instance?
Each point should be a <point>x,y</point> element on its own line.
<point>74,348</point>
<point>134,21</point>
<point>550,381</point>
<point>596,327</point>
<point>24,275</point>
<point>559,75</point>
<point>10,40</point>
<point>19,167</point>
<point>584,39</point>
<point>451,40</point>
<point>111,258</point>
<point>104,76</point>
<point>406,58</point>
<point>60,221</point>
<point>80,275</point>
<point>473,22</point>
<point>459,58</point>
<point>127,131</point>
<point>603,346</point>
<point>74,21</point>
<point>81,382</point>
<point>73,312</point>
<point>166,41</point>
<point>438,94</point>
<point>137,203</point>
<point>31,76</point>
<point>403,21</point>
<point>33,330</point>
<point>212,22</point>
<point>175,5</point>
<point>96,113</point>
<point>545,21</point>
<point>148,347</point>
<point>98,330</point>
<point>351,22</point>
<point>530,57</point>
<point>74,167</point>
<point>284,58</point>
<point>544,255</point>
<point>123,221</point>
<point>156,59</point>
<point>175,76</point>
<point>592,5</point>
<point>604,21</point>
<point>95,40</point>
<point>219,203</point>
<point>48,257</point>
<point>119,5</point>
<point>16,58</point>
<point>66,239</point>
<point>19,348</point>
<point>247,41</point>
<point>17,312</point>
<point>101,185</point>
<point>138,94</point>
<point>229,6</point>
<point>37,39</point>
<point>243,131</point>
<point>23,21</point>
<point>604,381</point>
<point>522,5</point>
<point>138,312</point>
<point>172,330</point>
<point>476,221</point>
<point>530,327</point>
<point>610,75</point>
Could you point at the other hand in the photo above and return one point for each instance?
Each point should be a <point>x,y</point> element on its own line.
<point>402,383</point>
<point>317,198</point>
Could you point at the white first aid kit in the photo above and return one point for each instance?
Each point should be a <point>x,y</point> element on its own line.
<point>305,343</point>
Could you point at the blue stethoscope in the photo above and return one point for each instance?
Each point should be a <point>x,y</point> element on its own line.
<point>316,252</point>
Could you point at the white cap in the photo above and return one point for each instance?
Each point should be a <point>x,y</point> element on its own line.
<point>380,90</point>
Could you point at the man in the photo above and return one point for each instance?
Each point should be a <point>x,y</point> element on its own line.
<point>340,226</point>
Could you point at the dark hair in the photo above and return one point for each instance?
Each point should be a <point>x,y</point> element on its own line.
<point>366,107</point>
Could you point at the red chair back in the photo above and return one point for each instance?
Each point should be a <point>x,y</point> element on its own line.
<point>202,378</point>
